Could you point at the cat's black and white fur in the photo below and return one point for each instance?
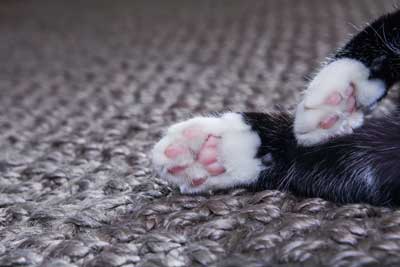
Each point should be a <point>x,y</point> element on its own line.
<point>326,149</point>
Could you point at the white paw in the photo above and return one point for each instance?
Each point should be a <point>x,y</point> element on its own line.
<point>333,102</point>
<point>206,153</point>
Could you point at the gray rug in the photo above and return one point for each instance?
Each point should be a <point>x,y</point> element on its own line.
<point>87,88</point>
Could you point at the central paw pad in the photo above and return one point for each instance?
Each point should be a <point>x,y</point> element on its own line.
<point>206,155</point>
<point>337,103</point>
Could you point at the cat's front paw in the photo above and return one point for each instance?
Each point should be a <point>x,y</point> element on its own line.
<point>335,101</point>
<point>206,153</point>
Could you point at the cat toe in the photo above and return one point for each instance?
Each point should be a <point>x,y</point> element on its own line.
<point>175,150</point>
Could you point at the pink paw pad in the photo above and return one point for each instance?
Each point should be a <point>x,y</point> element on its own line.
<point>198,181</point>
<point>175,150</point>
<point>207,155</point>
<point>351,104</point>
<point>329,122</point>
<point>212,141</point>
<point>215,169</point>
<point>208,152</point>
<point>176,169</point>
<point>335,99</point>
<point>350,90</point>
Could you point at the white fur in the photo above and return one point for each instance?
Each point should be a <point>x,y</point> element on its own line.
<point>237,150</point>
<point>336,76</point>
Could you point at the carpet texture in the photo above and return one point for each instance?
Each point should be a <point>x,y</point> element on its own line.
<point>87,88</point>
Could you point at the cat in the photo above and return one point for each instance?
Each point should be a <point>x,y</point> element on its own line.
<point>326,148</point>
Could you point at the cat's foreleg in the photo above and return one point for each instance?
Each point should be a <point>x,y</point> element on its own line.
<point>235,149</point>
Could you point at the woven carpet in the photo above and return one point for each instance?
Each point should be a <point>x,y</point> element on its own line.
<point>87,88</point>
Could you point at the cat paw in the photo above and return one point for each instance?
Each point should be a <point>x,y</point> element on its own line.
<point>207,153</point>
<point>335,102</point>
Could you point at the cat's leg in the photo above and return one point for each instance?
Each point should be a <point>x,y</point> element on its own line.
<point>361,167</point>
<point>351,84</point>
<point>206,153</point>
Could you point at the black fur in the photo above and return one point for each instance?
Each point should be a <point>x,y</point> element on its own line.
<point>361,167</point>
<point>378,47</point>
